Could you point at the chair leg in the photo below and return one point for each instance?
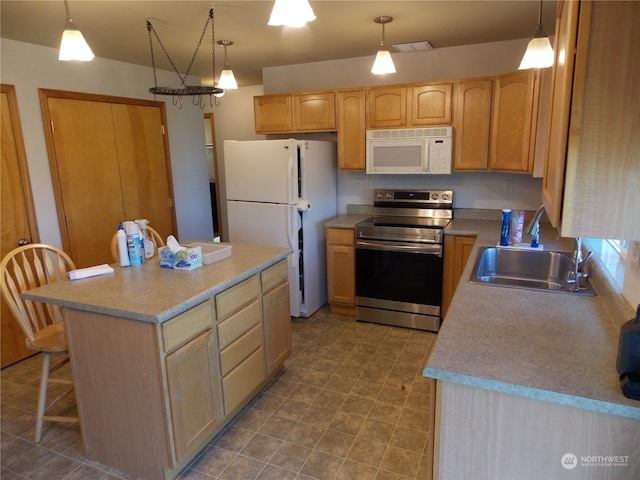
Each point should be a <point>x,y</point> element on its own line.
<point>42,396</point>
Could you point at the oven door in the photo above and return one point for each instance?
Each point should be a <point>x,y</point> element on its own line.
<point>402,277</point>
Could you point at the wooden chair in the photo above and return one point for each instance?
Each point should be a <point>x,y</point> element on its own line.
<point>23,269</point>
<point>153,235</point>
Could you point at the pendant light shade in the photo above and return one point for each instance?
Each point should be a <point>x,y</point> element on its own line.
<point>73,46</point>
<point>383,63</point>
<point>227,80</point>
<point>291,13</point>
<point>539,53</point>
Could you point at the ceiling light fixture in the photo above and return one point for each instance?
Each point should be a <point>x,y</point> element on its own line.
<point>183,89</point>
<point>73,46</point>
<point>291,13</point>
<point>539,53</point>
<point>227,80</point>
<point>384,63</point>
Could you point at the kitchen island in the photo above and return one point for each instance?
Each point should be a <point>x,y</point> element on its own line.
<point>526,380</point>
<point>163,359</point>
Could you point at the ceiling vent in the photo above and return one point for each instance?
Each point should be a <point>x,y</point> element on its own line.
<point>413,47</point>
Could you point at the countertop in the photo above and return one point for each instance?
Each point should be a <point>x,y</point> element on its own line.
<point>549,346</point>
<point>153,294</point>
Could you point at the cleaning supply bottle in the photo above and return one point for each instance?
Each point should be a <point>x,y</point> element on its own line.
<point>123,252</point>
<point>504,232</point>
<point>147,243</point>
<point>133,243</point>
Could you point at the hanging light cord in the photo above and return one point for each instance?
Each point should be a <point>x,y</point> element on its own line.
<point>66,6</point>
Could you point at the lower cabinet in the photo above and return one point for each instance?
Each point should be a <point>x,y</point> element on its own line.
<point>152,395</point>
<point>457,249</point>
<point>341,265</point>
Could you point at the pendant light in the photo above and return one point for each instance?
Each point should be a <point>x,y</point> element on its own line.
<point>227,80</point>
<point>383,63</point>
<point>73,45</point>
<point>291,13</point>
<point>539,53</point>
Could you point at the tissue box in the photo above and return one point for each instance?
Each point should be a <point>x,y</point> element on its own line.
<point>168,259</point>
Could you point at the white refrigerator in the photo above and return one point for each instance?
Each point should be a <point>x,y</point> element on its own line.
<point>280,193</point>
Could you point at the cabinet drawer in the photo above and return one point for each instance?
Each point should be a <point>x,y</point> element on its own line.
<point>274,275</point>
<point>242,381</point>
<point>187,325</point>
<point>340,236</point>
<point>235,353</point>
<point>237,324</point>
<point>236,297</point>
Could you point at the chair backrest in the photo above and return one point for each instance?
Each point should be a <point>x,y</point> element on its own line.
<point>153,235</point>
<point>29,267</point>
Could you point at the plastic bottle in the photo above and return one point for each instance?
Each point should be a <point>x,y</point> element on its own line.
<point>147,244</point>
<point>504,232</point>
<point>133,243</point>
<point>517,225</point>
<point>123,252</point>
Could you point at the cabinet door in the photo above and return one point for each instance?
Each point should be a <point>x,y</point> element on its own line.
<point>314,112</point>
<point>512,124</point>
<point>194,392</point>
<point>273,114</point>
<point>341,261</point>
<point>431,104</point>
<point>457,249</point>
<point>277,326</point>
<point>562,83</point>
<point>472,123</point>
<point>387,107</point>
<point>351,123</point>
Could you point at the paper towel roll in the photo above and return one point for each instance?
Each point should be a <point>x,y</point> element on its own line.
<point>303,205</point>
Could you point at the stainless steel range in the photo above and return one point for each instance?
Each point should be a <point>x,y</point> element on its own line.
<point>399,258</point>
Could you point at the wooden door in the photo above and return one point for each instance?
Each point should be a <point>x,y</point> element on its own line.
<point>87,176</point>
<point>351,122</point>
<point>431,104</point>
<point>277,326</point>
<point>18,215</point>
<point>109,163</point>
<point>314,112</point>
<point>273,114</point>
<point>144,174</point>
<point>387,107</point>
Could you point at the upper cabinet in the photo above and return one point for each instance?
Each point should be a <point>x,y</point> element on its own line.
<point>495,122</point>
<point>312,112</point>
<point>351,123</point>
<point>410,106</point>
<point>591,186</point>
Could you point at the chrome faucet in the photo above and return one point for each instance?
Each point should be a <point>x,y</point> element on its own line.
<point>579,277</point>
<point>533,228</point>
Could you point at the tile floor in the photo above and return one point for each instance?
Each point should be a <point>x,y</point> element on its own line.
<point>350,404</point>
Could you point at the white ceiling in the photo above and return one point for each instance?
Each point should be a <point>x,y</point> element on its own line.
<point>343,29</point>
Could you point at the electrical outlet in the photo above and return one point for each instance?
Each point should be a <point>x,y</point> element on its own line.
<point>634,255</point>
<point>358,186</point>
<point>508,187</point>
<point>368,184</point>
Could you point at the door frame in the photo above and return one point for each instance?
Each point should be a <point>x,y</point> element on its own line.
<point>214,150</point>
<point>44,95</point>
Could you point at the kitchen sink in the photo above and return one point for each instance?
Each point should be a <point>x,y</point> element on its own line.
<point>528,269</point>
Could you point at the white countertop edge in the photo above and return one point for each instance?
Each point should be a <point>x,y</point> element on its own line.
<point>535,393</point>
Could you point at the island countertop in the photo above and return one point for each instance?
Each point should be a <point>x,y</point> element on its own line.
<point>153,294</point>
<point>549,346</point>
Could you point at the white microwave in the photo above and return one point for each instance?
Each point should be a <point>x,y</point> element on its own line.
<point>410,150</point>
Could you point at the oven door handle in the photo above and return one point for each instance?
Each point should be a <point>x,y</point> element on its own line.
<point>427,249</point>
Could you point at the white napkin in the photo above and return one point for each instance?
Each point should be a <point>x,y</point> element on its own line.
<point>90,272</point>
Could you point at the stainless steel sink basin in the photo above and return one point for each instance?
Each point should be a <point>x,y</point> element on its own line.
<point>529,269</point>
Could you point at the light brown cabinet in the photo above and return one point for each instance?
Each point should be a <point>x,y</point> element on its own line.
<point>513,122</point>
<point>457,249</point>
<point>308,112</point>
<point>472,123</point>
<point>592,174</point>
<point>341,276</point>
<point>351,126</point>
<point>276,315</point>
<point>410,105</point>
